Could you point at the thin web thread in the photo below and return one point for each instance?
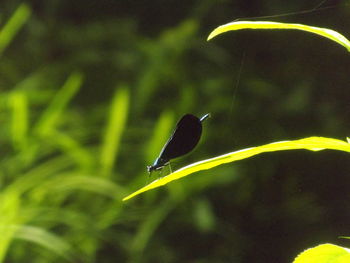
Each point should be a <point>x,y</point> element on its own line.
<point>317,8</point>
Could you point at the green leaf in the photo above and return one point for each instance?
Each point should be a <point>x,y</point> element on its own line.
<point>148,227</point>
<point>19,125</point>
<point>310,143</point>
<point>325,32</point>
<point>51,115</point>
<point>15,23</point>
<point>325,253</point>
<point>69,183</point>
<point>71,147</point>
<point>114,129</point>
<point>44,238</point>
<point>160,135</point>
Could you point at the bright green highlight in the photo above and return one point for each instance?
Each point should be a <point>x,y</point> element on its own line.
<point>325,253</point>
<point>311,143</point>
<point>114,129</point>
<point>325,32</point>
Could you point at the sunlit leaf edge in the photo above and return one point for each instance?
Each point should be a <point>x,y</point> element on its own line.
<point>324,253</point>
<point>325,32</point>
<point>310,143</point>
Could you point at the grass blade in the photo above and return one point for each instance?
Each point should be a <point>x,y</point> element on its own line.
<point>148,228</point>
<point>71,182</point>
<point>161,133</point>
<point>44,238</point>
<point>19,125</point>
<point>51,115</point>
<point>114,129</point>
<point>70,147</point>
<point>310,143</point>
<point>9,209</point>
<point>14,24</point>
<point>325,32</point>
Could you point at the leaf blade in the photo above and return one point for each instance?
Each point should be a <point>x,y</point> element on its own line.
<point>114,129</point>
<point>14,24</point>
<point>324,253</point>
<point>310,143</point>
<point>324,32</point>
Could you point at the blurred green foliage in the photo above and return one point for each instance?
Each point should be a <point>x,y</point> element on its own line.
<point>89,92</point>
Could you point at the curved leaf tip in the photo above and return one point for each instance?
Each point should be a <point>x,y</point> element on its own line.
<point>310,143</point>
<point>324,253</point>
<point>325,32</point>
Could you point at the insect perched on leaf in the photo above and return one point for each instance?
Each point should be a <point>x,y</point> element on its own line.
<point>185,137</point>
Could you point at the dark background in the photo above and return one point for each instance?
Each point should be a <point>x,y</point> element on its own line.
<point>259,86</point>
